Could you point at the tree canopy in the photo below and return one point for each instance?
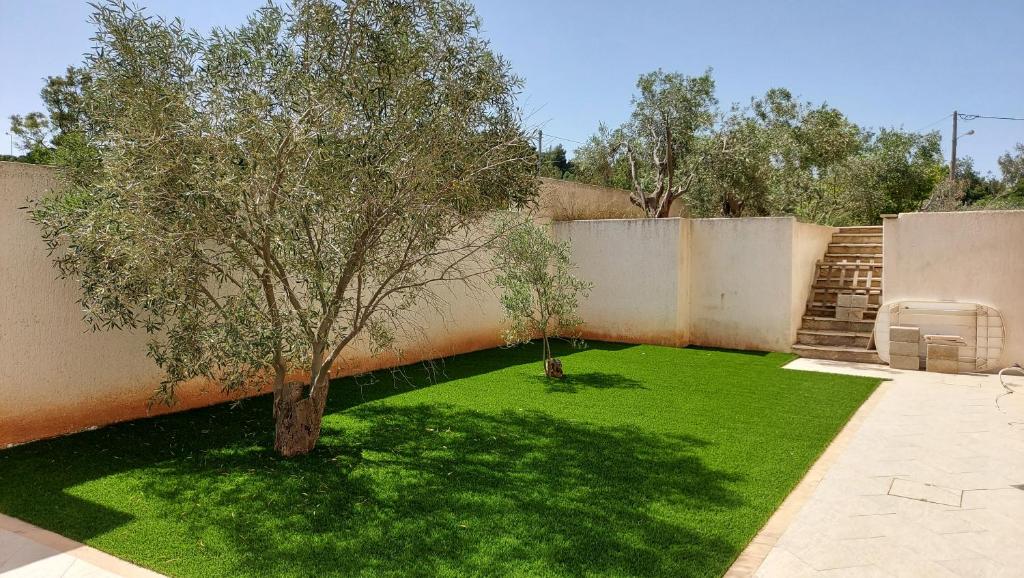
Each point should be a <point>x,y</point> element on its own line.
<point>774,156</point>
<point>266,194</point>
<point>540,293</point>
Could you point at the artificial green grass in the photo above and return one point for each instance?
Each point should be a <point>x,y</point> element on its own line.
<point>646,461</point>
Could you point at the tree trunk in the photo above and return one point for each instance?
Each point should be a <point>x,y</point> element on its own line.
<point>665,208</point>
<point>732,207</point>
<point>297,417</point>
<point>553,368</point>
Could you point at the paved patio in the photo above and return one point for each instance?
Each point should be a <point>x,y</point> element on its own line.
<point>30,552</point>
<point>927,480</point>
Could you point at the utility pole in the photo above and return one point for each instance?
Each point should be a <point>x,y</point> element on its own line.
<point>952,156</point>
<point>540,143</point>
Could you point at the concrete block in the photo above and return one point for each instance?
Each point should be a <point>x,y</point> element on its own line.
<point>905,334</point>
<point>942,365</point>
<point>851,300</point>
<point>904,362</point>
<point>849,314</point>
<point>904,348</point>
<point>943,351</point>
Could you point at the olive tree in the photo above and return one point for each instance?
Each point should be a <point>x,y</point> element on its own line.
<point>270,193</point>
<point>539,294</point>
<point>660,152</point>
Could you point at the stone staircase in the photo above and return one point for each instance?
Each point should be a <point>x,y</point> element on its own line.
<point>852,265</point>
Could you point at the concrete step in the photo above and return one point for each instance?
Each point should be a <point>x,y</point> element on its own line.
<point>848,283</point>
<point>827,296</point>
<point>855,249</point>
<point>818,309</point>
<point>833,324</point>
<point>831,337</point>
<point>857,238</point>
<point>848,267</point>
<point>852,259</point>
<point>837,353</point>
<point>875,229</point>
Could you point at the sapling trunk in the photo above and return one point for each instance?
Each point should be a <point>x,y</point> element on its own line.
<point>552,367</point>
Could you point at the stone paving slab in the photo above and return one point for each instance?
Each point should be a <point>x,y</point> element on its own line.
<point>930,483</point>
<point>27,551</point>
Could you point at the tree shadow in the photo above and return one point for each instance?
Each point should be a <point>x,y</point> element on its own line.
<point>400,490</point>
<point>748,352</point>
<point>428,490</point>
<point>574,382</point>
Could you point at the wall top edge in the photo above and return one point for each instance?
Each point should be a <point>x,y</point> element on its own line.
<point>27,166</point>
<point>1014,212</point>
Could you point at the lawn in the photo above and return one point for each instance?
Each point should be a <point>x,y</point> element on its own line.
<point>647,460</point>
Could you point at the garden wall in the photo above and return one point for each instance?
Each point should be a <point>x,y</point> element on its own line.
<point>58,377</point>
<point>968,256</point>
<point>640,271</point>
<point>734,283</point>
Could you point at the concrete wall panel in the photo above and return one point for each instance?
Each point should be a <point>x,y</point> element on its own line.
<point>741,276</point>
<point>639,271</point>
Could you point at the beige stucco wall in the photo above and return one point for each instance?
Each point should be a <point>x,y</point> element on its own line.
<point>640,270</point>
<point>741,284</point>
<point>734,283</point>
<point>58,377</point>
<point>810,242</point>
<point>969,256</point>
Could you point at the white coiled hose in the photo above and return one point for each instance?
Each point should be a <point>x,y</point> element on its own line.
<point>1008,386</point>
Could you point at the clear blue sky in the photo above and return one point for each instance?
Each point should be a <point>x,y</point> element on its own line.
<point>883,63</point>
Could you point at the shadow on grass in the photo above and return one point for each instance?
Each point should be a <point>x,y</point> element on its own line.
<point>574,382</point>
<point>726,350</point>
<point>392,489</point>
<point>426,490</point>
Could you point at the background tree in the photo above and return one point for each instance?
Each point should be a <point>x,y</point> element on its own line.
<point>669,137</point>
<point>555,164</point>
<point>539,292</point>
<point>776,156</point>
<point>948,195</point>
<point>664,144</point>
<point>1011,165</point>
<point>597,162</point>
<point>57,136</point>
<point>268,194</point>
<point>990,192</point>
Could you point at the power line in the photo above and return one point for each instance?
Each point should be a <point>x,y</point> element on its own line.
<point>931,124</point>
<point>563,138</point>
<point>974,116</point>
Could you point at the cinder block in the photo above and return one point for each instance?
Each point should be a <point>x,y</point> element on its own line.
<point>905,362</point>
<point>851,300</point>
<point>942,365</point>
<point>943,351</point>
<point>904,348</point>
<point>849,313</point>
<point>905,334</point>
